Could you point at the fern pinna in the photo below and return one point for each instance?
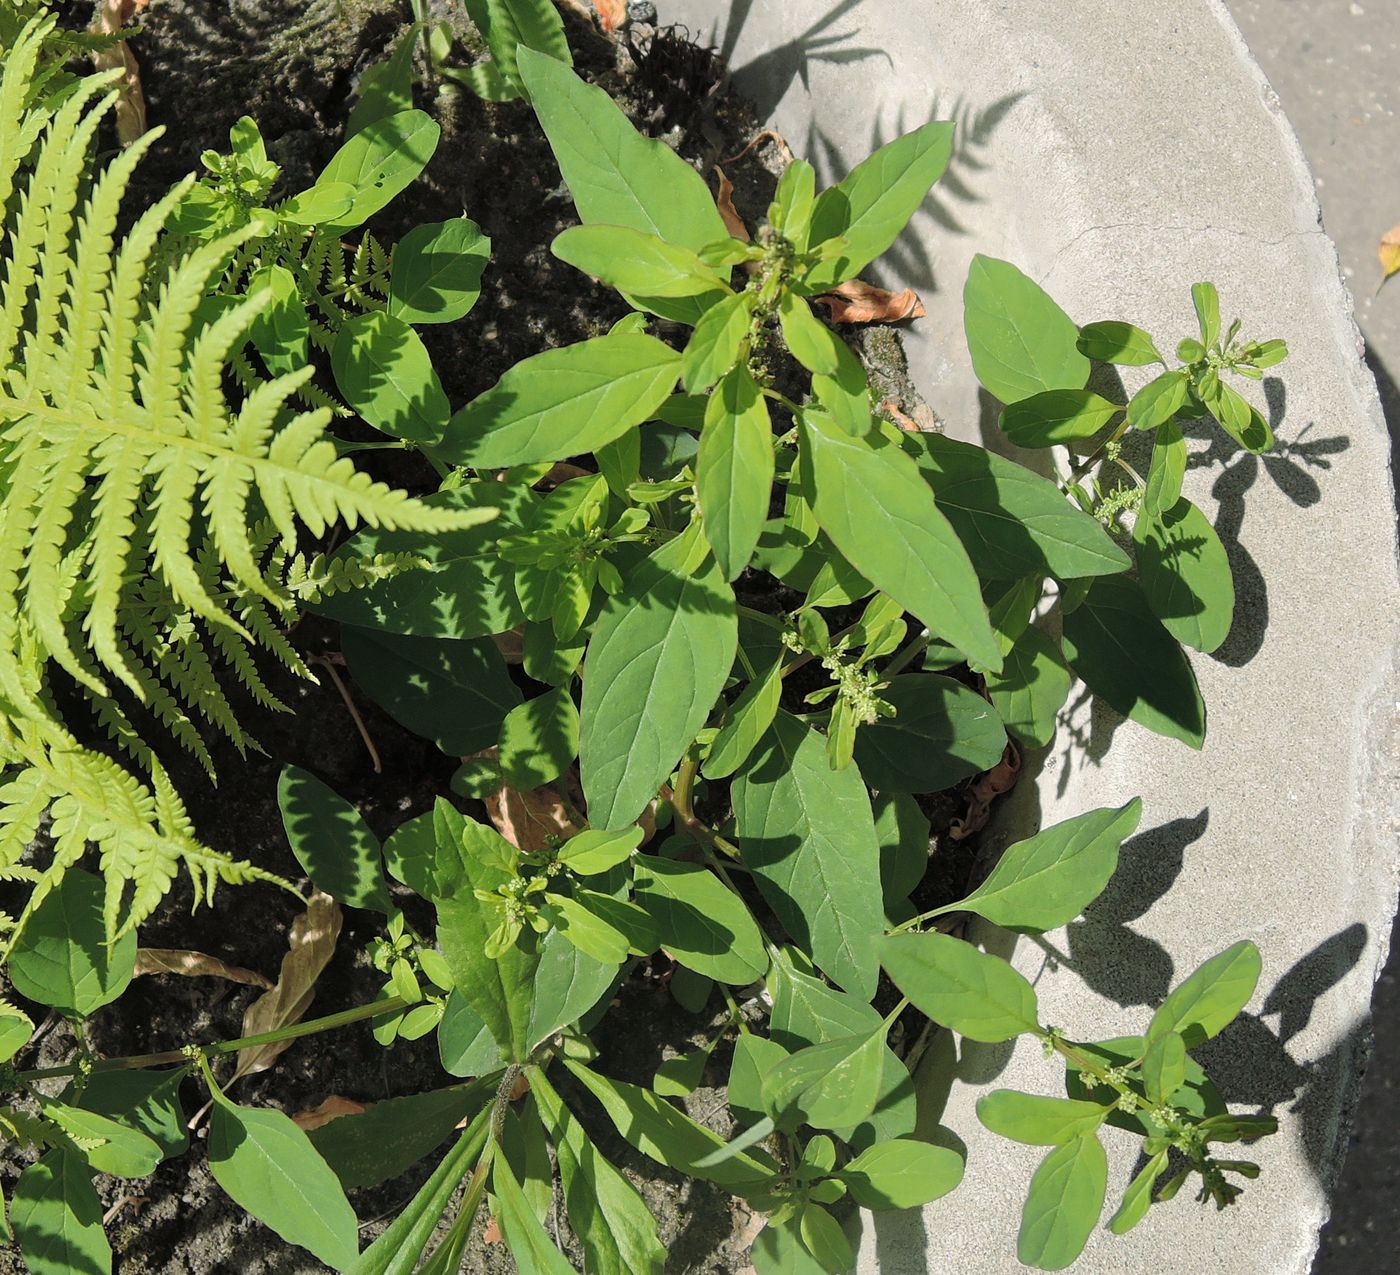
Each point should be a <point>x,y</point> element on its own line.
<point>149,526</point>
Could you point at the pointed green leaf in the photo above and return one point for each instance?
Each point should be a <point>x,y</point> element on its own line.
<point>379,161</point>
<point>616,175</point>
<point>15,1031</point>
<point>942,732</point>
<point>812,343</point>
<point>1159,400</point>
<point>109,1146</point>
<point>657,661</point>
<point>734,470</point>
<point>1168,469</point>
<point>593,851</point>
<point>1022,343</point>
<point>1050,878</point>
<point>1038,1121</point>
<point>1137,1199</point>
<point>808,834</point>
<point>147,1100</point>
<point>826,1086</point>
<point>436,271</point>
<point>1121,343</point>
<point>1164,1066</point>
<point>871,206</point>
<point>615,1228</point>
<point>525,1236</point>
<point>386,87</point>
<point>1186,575</point>
<point>1031,688</point>
<point>390,1136</point>
<point>700,921</point>
<point>563,402</point>
<point>1125,655</point>
<point>633,261</point>
<point>455,693</point>
<point>901,1174</point>
<point>1063,1207</point>
<point>1207,303</point>
<point>872,502</point>
<point>747,722</point>
<point>268,1166</point>
<point>383,371</point>
<point>466,1046</point>
<point>539,739</point>
<point>1209,1000</point>
<point>1056,416</point>
<point>62,957</point>
<point>715,344</point>
<point>972,992</point>
<point>1012,522</point>
<point>57,1218</point>
<point>332,842</point>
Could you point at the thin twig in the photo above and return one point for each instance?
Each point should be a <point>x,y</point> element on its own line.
<point>354,712</point>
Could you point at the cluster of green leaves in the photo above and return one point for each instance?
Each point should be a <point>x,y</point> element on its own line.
<point>152,520</point>
<point>758,831</point>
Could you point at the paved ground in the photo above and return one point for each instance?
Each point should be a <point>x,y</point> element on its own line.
<point>1336,68</point>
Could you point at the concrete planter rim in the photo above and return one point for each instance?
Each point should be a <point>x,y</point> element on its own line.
<point>1124,152</point>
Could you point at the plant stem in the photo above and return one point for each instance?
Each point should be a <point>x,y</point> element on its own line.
<point>1078,471</point>
<point>169,1057</point>
<point>681,797</point>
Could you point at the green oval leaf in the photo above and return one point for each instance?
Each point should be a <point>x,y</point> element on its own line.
<point>827,1086</point>
<point>378,162</point>
<point>1057,416</point>
<point>1164,478</point>
<point>455,693</point>
<point>1159,400</point>
<point>616,175</point>
<point>1125,655</point>
<point>436,271</point>
<point>1137,1199</point>
<point>332,841</point>
<point>1064,1203</point>
<point>109,1146</point>
<point>1209,1000</point>
<point>901,1174</point>
<point>972,992</point>
<point>1012,522</point>
<point>1050,878</point>
<point>1115,342</point>
<point>563,402</point>
<point>539,738</point>
<point>1021,342</point>
<point>700,922</point>
<point>715,344</point>
<point>1186,575</point>
<point>1038,1121</point>
<point>657,661</point>
<point>57,1218</point>
<point>268,1166</point>
<point>870,499</point>
<point>62,957</point>
<point>808,834</point>
<point>869,207</point>
<point>941,732</point>
<point>1031,688</point>
<point>635,262</point>
<point>734,470</point>
<point>747,722</point>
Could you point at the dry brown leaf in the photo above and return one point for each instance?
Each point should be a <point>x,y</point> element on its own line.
<point>310,946</point>
<point>985,789</point>
<point>332,1109</point>
<point>725,202</point>
<point>767,135</point>
<point>492,1233</point>
<point>611,13</point>
<point>906,423</point>
<point>1389,253</point>
<point>511,645</point>
<point>113,16</point>
<point>856,301</point>
<point>170,960</point>
<point>530,820</point>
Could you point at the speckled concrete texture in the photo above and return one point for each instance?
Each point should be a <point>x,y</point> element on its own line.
<point>1119,153</point>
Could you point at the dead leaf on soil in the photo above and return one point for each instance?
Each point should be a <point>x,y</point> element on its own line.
<point>1389,254</point>
<point>113,16</point>
<point>856,301</point>
<point>766,135</point>
<point>906,423</point>
<point>311,944</point>
<point>332,1109</point>
<point>725,202</point>
<point>511,645</point>
<point>985,789</point>
<point>170,960</point>
<point>492,1233</point>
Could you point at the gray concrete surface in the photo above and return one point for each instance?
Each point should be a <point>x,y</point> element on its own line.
<point>1119,153</point>
<point>1335,65</point>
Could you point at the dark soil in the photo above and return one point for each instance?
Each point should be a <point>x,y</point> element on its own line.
<point>293,65</point>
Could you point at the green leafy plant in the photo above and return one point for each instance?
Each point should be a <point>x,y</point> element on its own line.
<point>746,777</point>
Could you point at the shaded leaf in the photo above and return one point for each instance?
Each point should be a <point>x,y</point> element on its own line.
<point>167,960</point>
<point>332,842</point>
